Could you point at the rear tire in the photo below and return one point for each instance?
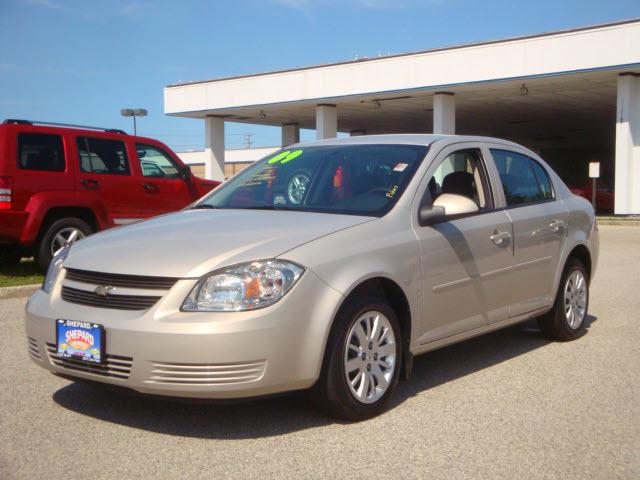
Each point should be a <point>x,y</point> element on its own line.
<point>55,234</point>
<point>567,319</point>
<point>362,364</point>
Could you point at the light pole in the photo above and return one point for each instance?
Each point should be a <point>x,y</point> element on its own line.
<point>133,112</point>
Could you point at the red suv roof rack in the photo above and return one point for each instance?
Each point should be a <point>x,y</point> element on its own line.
<point>16,121</point>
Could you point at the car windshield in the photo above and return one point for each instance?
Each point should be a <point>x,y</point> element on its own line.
<point>345,179</point>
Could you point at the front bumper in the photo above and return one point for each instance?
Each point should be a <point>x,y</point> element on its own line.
<point>167,352</point>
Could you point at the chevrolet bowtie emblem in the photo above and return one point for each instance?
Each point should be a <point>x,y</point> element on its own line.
<point>104,290</point>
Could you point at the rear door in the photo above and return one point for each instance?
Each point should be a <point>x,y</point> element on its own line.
<point>105,176</point>
<point>540,223</point>
<point>466,261</point>
<point>165,187</point>
<point>41,165</point>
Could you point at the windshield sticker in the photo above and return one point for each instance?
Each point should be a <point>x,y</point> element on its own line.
<point>392,191</point>
<point>279,157</point>
<point>285,157</point>
<point>400,167</point>
<point>292,156</point>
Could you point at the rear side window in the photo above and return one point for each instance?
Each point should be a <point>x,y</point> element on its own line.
<point>523,179</point>
<point>38,151</point>
<point>101,155</point>
<point>543,179</point>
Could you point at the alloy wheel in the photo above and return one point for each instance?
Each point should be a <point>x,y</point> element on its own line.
<point>575,299</point>
<point>370,357</point>
<point>65,236</point>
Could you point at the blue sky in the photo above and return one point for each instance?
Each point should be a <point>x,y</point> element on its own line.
<point>81,61</point>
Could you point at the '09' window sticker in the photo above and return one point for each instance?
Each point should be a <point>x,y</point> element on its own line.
<point>285,157</point>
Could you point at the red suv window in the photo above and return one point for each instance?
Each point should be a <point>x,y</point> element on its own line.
<point>100,155</point>
<point>39,151</point>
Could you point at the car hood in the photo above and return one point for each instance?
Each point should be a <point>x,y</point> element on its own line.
<point>192,243</point>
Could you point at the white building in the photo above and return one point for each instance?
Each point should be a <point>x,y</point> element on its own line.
<point>573,96</point>
<point>235,160</point>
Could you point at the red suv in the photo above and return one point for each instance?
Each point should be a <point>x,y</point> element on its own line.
<point>59,183</point>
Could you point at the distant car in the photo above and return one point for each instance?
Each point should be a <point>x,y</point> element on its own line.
<point>338,261</point>
<point>59,184</point>
<point>604,197</point>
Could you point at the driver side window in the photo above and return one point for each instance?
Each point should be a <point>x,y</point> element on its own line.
<point>462,173</point>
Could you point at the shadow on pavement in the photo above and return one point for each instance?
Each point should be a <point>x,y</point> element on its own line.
<point>292,412</point>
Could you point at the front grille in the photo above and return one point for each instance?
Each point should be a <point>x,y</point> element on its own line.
<point>119,280</point>
<point>115,366</point>
<point>32,346</point>
<point>118,302</point>
<point>207,374</point>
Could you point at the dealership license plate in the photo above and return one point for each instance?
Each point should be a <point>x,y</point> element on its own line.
<point>83,341</point>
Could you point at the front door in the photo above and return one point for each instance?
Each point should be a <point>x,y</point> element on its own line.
<point>466,262</point>
<point>164,184</point>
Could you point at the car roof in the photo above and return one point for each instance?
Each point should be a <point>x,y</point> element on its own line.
<point>404,138</point>
<point>77,130</point>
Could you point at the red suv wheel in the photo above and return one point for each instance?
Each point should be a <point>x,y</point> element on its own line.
<point>58,234</point>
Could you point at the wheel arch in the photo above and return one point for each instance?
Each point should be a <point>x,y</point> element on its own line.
<point>579,250</point>
<point>582,253</point>
<point>390,291</point>
<point>56,213</point>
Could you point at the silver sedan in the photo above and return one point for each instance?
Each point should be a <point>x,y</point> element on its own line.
<point>325,266</point>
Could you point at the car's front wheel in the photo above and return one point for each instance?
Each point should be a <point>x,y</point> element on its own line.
<point>567,319</point>
<point>362,363</point>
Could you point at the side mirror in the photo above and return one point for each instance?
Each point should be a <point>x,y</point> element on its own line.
<point>430,215</point>
<point>446,205</point>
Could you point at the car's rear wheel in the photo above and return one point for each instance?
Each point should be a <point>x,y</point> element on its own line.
<point>60,233</point>
<point>567,319</point>
<point>362,362</point>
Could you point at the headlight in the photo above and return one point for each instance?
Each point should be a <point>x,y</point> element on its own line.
<point>247,286</point>
<point>55,267</point>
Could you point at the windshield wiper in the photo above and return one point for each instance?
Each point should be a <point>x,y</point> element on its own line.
<point>267,207</point>
<point>202,206</point>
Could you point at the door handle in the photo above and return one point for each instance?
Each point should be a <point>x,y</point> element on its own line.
<point>556,225</point>
<point>151,187</point>
<point>89,182</point>
<point>498,237</point>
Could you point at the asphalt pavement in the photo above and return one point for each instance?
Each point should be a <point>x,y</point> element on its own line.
<point>506,405</point>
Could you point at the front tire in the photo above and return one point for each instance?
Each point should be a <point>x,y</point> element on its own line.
<point>567,319</point>
<point>362,361</point>
<point>60,232</point>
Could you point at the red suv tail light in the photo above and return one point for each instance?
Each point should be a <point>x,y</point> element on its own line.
<point>6,188</point>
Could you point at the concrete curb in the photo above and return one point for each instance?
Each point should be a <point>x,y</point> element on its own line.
<point>626,222</point>
<point>17,292</point>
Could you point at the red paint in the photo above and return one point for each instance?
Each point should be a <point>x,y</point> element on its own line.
<point>30,194</point>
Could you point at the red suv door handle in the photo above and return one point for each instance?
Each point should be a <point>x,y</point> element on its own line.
<point>89,182</point>
<point>151,187</point>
